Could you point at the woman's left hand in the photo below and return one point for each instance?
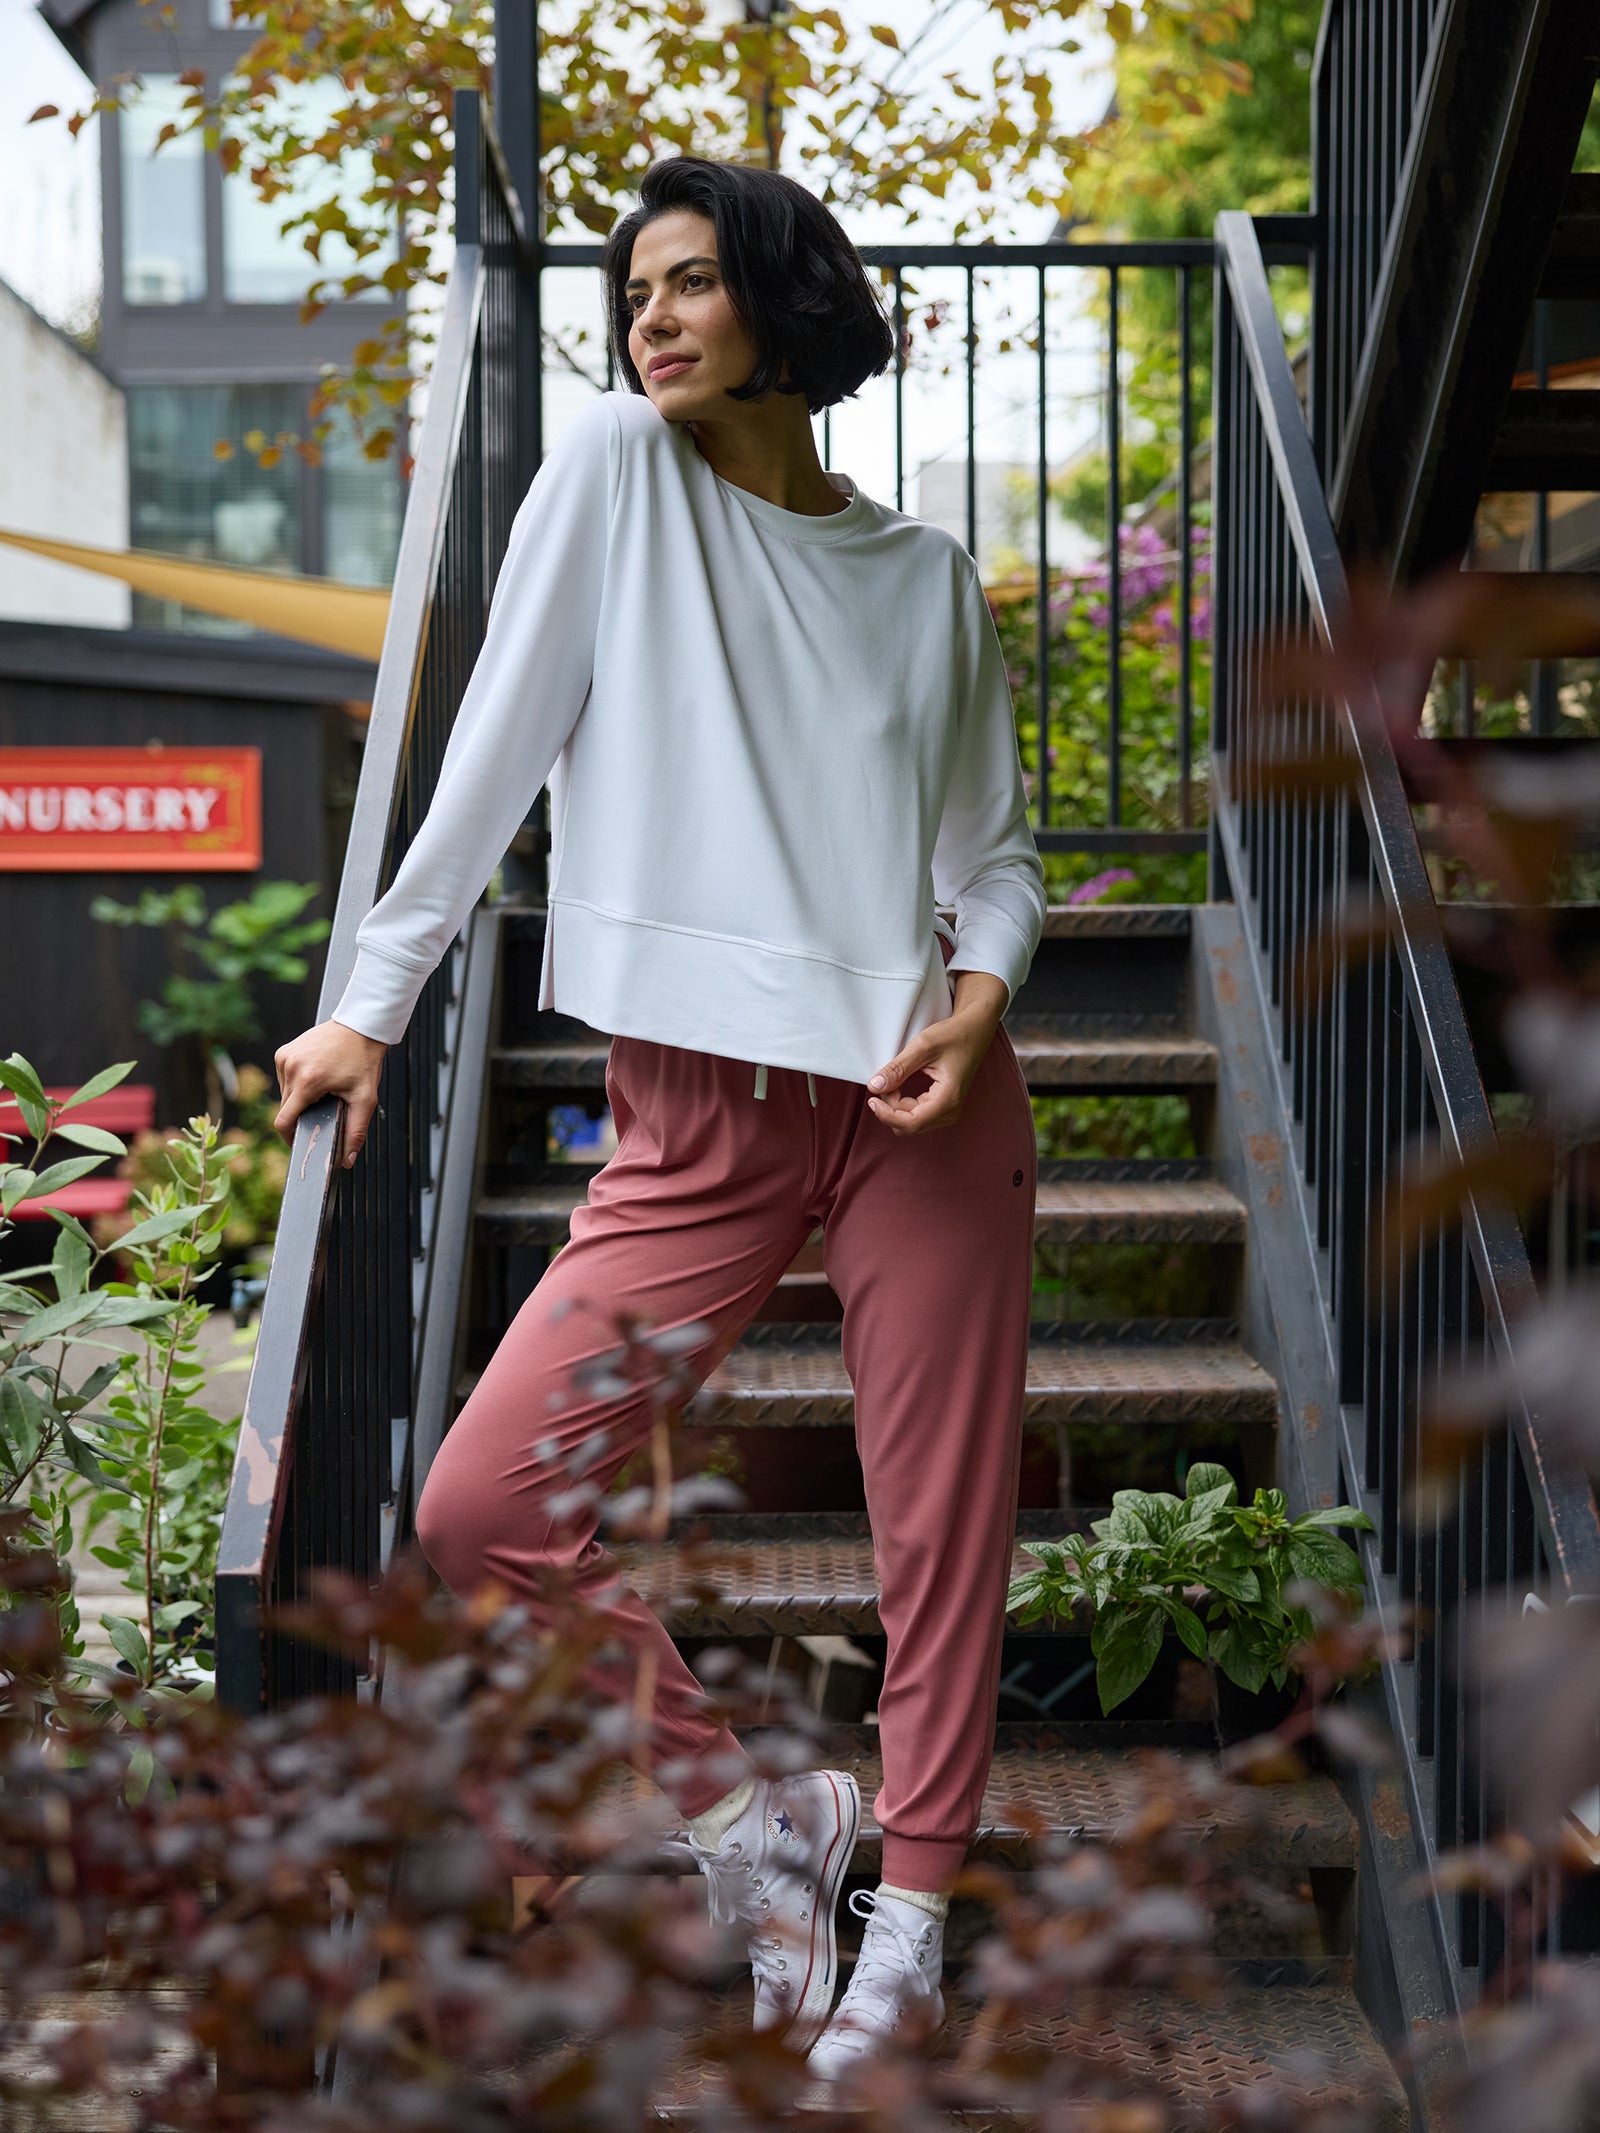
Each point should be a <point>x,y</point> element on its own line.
<point>948,1052</point>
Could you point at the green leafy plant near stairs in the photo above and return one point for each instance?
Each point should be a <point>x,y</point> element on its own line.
<point>1218,1572</point>
<point>100,1424</point>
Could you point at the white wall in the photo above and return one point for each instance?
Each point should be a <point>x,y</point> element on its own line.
<point>63,471</point>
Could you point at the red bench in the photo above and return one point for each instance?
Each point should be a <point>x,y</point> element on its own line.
<point>126,1110</point>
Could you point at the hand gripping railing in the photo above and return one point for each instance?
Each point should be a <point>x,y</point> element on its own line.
<point>1379,1072</point>
<point>324,1444</point>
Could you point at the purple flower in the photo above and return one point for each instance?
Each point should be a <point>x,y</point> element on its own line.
<point>1100,885</point>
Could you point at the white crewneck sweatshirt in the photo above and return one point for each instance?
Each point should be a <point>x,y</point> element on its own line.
<point>773,743</point>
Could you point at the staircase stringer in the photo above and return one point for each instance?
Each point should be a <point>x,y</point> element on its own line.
<point>1404,1978</point>
<point>1480,192</point>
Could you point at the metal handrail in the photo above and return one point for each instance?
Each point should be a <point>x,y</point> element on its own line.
<point>1389,1063</point>
<point>325,1437</point>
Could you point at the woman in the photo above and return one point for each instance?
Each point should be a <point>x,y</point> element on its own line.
<point>776,727</point>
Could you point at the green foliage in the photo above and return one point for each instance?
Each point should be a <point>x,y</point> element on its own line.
<point>1219,1573</point>
<point>100,1424</point>
<point>1078,655</point>
<point>209,999</point>
<point>862,117</point>
<point>255,1165</point>
<point>60,1337</point>
<point>167,1470</point>
<point>260,937</point>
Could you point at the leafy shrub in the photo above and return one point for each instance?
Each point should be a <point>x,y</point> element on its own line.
<point>101,1429</point>
<point>167,1465</point>
<point>209,1000</point>
<point>1078,726</point>
<point>255,1170</point>
<point>1220,1573</point>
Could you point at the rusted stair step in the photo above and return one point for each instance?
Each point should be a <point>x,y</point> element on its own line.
<point>1071,1210</point>
<point>1043,1778</point>
<point>775,1587</point>
<point>805,1386</point>
<point>1052,1059</point>
<point>1059,1061</point>
<point>794,1382</point>
<point>1192,2059</point>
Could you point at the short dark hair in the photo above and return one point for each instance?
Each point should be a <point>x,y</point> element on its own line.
<point>795,279</point>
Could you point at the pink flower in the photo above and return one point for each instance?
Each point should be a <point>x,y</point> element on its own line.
<point>1099,885</point>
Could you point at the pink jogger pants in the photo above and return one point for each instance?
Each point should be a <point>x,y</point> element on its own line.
<point>928,1243</point>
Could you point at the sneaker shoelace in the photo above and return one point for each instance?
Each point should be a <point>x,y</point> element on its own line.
<point>888,1957</point>
<point>732,1887</point>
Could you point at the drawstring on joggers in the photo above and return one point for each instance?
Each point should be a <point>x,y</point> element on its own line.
<point>761,1086</point>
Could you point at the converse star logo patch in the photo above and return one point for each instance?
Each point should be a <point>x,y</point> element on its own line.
<point>781,1829</point>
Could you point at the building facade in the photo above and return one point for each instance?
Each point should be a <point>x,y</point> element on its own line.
<point>201,326</point>
<point>64,472</point>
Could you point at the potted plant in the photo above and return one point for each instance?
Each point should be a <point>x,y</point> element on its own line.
<point>1219,1574</point>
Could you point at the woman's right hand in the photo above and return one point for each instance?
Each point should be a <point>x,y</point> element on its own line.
<point>330,1060</point>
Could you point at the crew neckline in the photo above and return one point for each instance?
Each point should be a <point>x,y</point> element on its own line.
<point>794,525</point>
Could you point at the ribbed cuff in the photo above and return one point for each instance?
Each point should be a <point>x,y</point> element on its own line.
<point>929,1863</point>
<point>380,997</point>
<point>995,949</point>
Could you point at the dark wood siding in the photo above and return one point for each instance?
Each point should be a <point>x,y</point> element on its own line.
<point>70,986</point>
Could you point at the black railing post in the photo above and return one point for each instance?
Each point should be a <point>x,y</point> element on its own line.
<point>520,118</point>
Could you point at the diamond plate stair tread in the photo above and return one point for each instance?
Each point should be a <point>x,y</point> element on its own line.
<point>1068,1381</point>
<point>1089,1792</point>
<point>1075,1211</point>
<point>1116,922</point>
<point>1050,1059</point>
<point>790,1385</point>
<point>789,1588</point>
<point>1309,2043</point>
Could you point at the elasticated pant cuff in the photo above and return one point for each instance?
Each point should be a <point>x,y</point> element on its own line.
<point>927,1863</point>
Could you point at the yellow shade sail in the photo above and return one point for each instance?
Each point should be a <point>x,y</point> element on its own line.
<point>339,618</point>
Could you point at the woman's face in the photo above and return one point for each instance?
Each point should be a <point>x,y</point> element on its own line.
<point>687,342</point>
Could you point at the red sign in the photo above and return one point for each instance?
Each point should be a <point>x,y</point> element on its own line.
<point>134,810</point>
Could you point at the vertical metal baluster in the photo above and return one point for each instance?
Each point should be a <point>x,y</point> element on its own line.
<point>1042,630</point>
<point>899,391</point>
<point>972,417</point>
<point>1185,542</point>
<point>1543,677</point>
<point>1114,545</point>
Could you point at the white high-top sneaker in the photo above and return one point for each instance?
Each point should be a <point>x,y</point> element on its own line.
<point>777,1873</point>
<point>895,1979</point>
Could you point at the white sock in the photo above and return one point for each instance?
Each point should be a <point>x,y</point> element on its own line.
<point>711,1827</point>
<point>937,1905</point>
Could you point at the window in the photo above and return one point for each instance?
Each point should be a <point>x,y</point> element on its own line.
<point>163,200</point>
<point>222,17</point>
<point>339,520</point>
<point>262,264</point>
<point>361,506</point>
<point>186,500</point>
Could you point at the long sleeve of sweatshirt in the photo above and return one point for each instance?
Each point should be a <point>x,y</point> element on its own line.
<point>524,696</point>
<point>985,861</point>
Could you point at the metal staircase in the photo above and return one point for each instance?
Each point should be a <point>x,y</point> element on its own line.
<point>1299,1355</point>
<point>1107,1010</point>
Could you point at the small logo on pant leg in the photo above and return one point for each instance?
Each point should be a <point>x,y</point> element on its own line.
<point>1016,1177</point>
